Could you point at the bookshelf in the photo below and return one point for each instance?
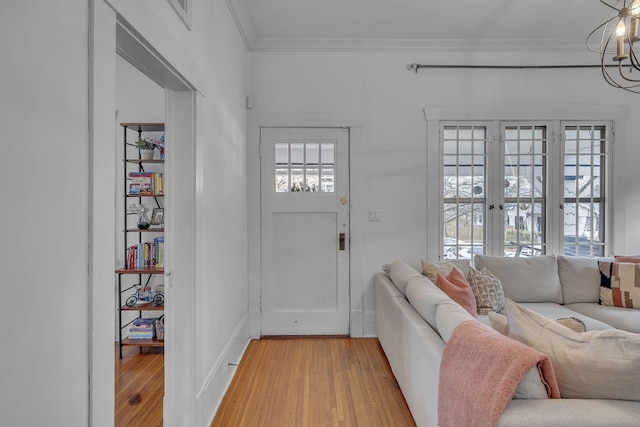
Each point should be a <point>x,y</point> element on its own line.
<point>140,278</point>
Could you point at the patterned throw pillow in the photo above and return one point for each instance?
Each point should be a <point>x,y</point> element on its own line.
<point>487,290</point>
<point>619,284</point>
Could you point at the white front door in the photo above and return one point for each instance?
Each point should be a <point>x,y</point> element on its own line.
<point>305,231</point>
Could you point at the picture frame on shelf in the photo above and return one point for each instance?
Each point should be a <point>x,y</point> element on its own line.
<point>157,217</point>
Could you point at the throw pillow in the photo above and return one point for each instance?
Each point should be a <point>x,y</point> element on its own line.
<point>590,365</point>
<point>432,269</point>
<point>458,289</point>
<point>619,284</point>
<point>487,290</point>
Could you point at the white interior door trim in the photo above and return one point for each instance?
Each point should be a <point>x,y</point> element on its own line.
<point>362,323</point>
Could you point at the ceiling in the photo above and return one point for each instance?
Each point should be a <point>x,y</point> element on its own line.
<point>416,24</point>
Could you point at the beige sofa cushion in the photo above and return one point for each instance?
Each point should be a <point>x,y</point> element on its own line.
<point>589,365</point>
<point>431,269</point>
<point>626,319</point>
<point>580,278</point>
<point>424,297</point>
<point>400,272</point>
<point>533,279</point>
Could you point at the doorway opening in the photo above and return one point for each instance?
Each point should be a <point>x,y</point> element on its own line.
<point>112,39</point>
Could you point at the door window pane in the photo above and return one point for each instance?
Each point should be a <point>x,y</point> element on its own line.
<point>304,167</point>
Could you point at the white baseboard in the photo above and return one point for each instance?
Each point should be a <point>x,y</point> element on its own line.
<point>370,324</point>
<point>219,378</point>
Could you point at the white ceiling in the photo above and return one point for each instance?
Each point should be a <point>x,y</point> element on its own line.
<point>416,24</point>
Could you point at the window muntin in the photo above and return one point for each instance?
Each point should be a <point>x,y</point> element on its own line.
<point>464,167</point>
<point>307,167</point>
<point>525,164</point>
<point>583,200</point>
<point>507,203</point>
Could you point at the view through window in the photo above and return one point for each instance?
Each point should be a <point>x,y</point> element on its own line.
<point>506,185</point>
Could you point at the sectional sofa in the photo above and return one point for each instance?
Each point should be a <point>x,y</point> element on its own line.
<point>415,318</point>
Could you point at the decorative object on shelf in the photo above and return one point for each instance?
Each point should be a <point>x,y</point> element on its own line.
<point>160,328</point>
<point>140,210</point>
<point>146,295</point>
<point>614,35</point>
<point>146,148</point>
<point>157,217</point>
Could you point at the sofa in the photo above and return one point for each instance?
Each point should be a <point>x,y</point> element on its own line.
<point>415,318</point>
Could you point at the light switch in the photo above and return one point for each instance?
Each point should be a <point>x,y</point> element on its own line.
<point>374,215</point>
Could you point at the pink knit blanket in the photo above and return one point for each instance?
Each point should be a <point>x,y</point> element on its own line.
<point>480,373</point>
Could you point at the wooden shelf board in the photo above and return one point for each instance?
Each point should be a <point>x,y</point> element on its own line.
<point>148,230</point>
<point>140,270</point>
<point>144,127</point>
<point>143,342</point>
<point>159,161</point>
<point>143,307</point>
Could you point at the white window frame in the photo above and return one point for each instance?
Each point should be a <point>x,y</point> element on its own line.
<point>555,114</point>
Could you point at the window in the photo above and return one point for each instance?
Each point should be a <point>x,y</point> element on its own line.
<point>307,167</point>
<point>501,194</point>
<point>584,163</point>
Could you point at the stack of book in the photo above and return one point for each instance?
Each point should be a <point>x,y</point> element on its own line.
<point>147,254</point>
<point>142,329</point>
<point>146,183</point>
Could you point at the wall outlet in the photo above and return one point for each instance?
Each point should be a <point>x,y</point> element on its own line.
<point>374,215</point>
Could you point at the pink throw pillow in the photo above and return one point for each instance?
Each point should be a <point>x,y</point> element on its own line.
<point>459,290</point>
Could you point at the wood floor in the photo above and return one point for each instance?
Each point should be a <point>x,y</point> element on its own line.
<point>139,383</point>
<point>281,382</point>
<point>307,382</point>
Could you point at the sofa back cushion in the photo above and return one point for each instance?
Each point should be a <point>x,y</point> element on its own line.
<point>580,278</point>
<point>400,272</point>
<point>424,297</point>
<point>533,279</point>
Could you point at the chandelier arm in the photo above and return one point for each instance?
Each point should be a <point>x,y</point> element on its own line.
<point>614,7</point>
<point>624,77</point>
<point>604,24</point>
<point>633,58</point>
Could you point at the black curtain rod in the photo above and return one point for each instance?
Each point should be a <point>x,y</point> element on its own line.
<point>415,67</point>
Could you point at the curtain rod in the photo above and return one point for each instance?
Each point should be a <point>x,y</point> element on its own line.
<point>415,67</point>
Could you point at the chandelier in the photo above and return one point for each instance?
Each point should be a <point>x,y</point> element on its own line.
<point>617,37</point>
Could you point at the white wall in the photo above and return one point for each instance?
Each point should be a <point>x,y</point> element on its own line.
<point>376,89</point>
<point>45,228</point>
<point>44,213</point>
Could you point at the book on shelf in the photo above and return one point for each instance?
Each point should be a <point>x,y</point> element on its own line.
<point>146,183</point>
<point>147,254</point>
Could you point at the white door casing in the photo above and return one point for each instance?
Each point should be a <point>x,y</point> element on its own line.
<point>305,231</point>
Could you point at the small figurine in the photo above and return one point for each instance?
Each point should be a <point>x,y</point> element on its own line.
<point>145,295</point>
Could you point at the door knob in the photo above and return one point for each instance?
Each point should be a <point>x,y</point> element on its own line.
<point>343,200</point>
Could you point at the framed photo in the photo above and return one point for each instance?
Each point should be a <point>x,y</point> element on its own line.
<point>157,217</point>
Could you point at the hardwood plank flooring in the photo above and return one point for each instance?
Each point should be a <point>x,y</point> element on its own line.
<point>313,381</point>
<point>139,384</point>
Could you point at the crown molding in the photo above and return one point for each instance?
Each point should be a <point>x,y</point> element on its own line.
<point>240,13</point>
<point>263,44</point>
